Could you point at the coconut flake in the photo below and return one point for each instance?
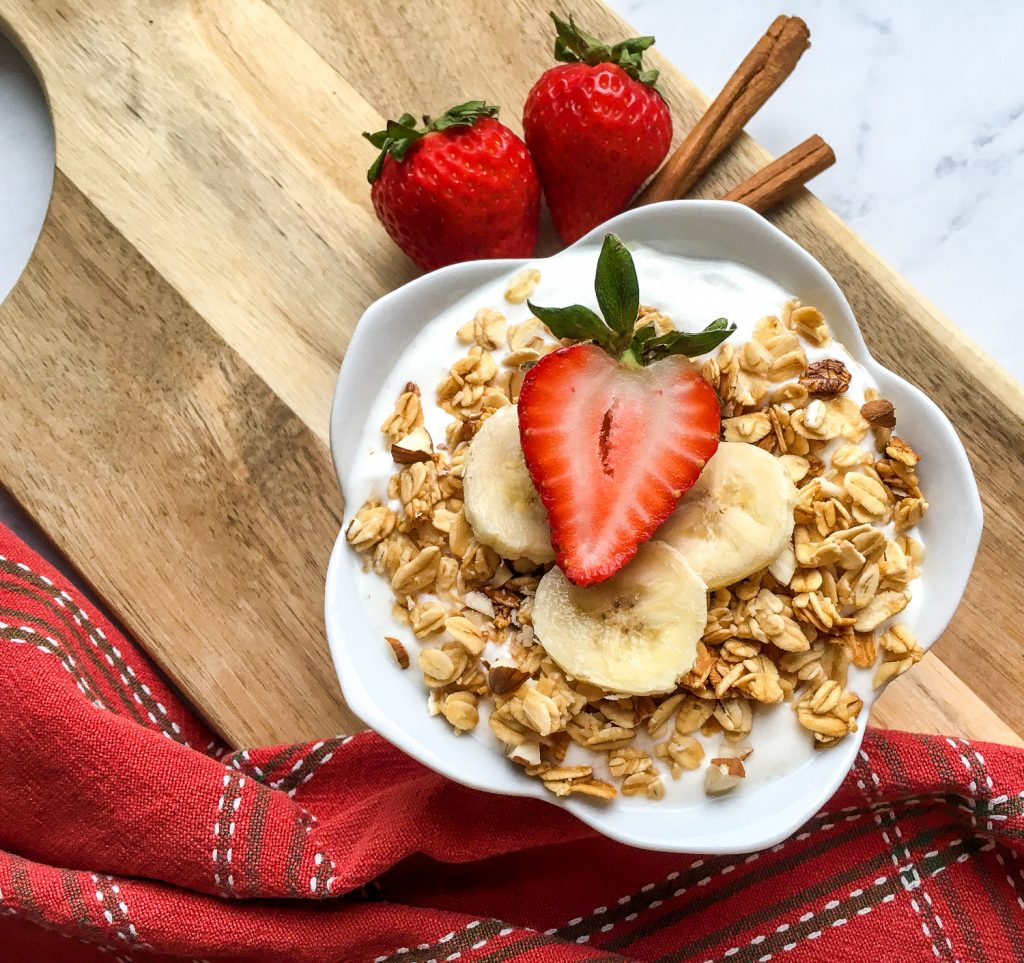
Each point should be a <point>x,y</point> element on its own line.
<point>480,603</point>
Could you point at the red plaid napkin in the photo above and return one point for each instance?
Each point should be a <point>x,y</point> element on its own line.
<point>127,832</point>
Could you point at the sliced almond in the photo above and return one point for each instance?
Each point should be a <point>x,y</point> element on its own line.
<point>525,754</point>
<point>783,567</point>
<point>415,446</point>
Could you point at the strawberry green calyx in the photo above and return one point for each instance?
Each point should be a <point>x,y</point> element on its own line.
<point>615,330</point>
<point>573,45</point>
<point>399,135</point>
<point>649,346</point>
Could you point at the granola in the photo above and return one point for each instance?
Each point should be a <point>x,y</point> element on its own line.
<point>786,638</point>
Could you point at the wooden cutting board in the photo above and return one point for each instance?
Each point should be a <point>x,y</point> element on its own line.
<point>169,355</point>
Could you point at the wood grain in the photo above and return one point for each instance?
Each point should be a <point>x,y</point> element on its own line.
<point>191,498</point>
<point>171,351</point>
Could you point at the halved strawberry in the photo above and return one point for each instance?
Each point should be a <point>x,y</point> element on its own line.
<point>615,432</point>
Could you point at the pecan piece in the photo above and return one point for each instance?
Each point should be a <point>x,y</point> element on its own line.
<point>502,596</point>
<point>825,378</point>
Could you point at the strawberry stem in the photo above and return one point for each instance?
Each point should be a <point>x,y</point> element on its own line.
<point>630,359</point>
<point>399,135</point>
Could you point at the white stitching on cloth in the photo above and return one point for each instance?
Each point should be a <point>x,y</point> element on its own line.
<point>244,754</point>
<point>852,816</point>
<point>849,814</point>
<point>222,854</point>
<point>318,859</point>
<point>1010,880</point>
<point>124,928</point>
<point>835,904</point>
<point>215,855</point>
<point>99,947</point>
<point>501,934</point>
<point>916,881</point>
<point>276,784</point>
<point>1016,859</point>
<point>66,660</point>
<point>61,599</point>
<point>806,917</point>
<point>972,803</point>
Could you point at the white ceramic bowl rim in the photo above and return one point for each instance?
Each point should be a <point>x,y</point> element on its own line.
<point>737,823</point>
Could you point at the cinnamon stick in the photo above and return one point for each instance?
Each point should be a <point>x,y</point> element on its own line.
<point>784,175</point>
<point>763,70</point>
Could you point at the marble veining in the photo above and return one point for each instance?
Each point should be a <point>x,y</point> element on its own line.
<point>924,105</point>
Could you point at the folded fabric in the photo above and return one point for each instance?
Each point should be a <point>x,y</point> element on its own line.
<point>129,832</point>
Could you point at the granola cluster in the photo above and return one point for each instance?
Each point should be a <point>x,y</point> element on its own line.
<point>788,633</point>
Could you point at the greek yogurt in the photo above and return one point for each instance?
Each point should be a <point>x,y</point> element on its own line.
<point>692,293</point>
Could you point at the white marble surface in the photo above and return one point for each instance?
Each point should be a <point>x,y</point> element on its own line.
<point>924,105</point>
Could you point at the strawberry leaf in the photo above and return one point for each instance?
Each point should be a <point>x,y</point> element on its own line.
<point>649,349</point>
<point>635,45</point>
<point>576,322</point>
<point>618,296</point>
<point>465,114</point>
<point>646,333</point>
<point>574,46</point>
<point>399,135</point>
<point>616,286</point>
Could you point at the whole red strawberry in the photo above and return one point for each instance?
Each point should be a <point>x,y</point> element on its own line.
<point>596,127</point>
<point>616,431</point>
<point>460,187</point>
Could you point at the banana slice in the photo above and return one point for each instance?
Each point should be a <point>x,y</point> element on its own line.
<point>635,633</point>
<point>500,501</point>
<point>737,518</point>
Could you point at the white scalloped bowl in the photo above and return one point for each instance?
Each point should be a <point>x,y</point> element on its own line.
<point>392,702</point>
